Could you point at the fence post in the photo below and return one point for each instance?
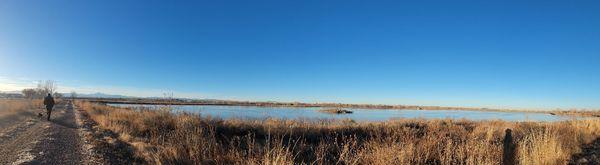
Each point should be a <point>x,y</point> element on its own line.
<point>508,154</point>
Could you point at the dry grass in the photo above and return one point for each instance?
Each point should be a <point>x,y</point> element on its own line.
<point>165,138</point>
<point>335,111</point>
<point>584,113</point>
<point>17,110</point>
<point>13,106</point>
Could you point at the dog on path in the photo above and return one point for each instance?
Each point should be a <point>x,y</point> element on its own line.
<point>40,114</point>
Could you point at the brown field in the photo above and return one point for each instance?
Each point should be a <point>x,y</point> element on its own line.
<point>587,113</point>
<point>11,106</point>
<point>162,137</point>
<point>12,110</point>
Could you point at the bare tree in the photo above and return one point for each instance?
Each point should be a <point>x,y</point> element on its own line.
<point>73,95</point>
<point>57,95</point>
<point>168,96</point>
<point>169,99</point>
<point>48,86</point>
<point>43,88</point>
<point>29,93</point>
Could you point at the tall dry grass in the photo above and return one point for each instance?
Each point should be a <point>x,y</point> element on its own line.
<point>165,138</point>
<point>13,106</point>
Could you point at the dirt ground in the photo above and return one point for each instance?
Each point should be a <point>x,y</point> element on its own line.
<point>26,138</point>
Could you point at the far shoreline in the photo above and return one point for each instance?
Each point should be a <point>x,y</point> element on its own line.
<point>146,101</point>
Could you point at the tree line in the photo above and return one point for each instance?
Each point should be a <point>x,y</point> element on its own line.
<point>43,88</point>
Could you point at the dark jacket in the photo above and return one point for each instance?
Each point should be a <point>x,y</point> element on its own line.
<point>49,101</point>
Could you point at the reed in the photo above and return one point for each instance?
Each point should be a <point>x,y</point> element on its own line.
<point>335,111</point>
<point>162,137</point>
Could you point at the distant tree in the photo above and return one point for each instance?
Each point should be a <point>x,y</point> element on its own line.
<point>57,95</point>
<point>29,93</point>
<point>169,99</point>
<point>43,88</point>
<point>73,95</point>
<point>48,86</point>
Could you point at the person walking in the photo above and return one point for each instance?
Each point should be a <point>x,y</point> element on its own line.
<point>49,102</point>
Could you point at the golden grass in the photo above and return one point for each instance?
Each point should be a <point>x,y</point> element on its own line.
<point>13,106</point>
<point>335,111</point>
<point>584,113</point>
<point>165,138</point>
<point>542,148</point>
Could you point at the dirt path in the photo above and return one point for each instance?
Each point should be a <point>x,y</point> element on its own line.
<point>33,140</point>
<point>18,139</point>
<point>590,154</point>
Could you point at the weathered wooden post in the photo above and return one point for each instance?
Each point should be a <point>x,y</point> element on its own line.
<point>508,154</point>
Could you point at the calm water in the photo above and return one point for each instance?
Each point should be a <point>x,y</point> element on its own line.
<point>252,112</point>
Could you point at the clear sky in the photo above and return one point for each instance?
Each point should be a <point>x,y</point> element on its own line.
<point>524,54</point>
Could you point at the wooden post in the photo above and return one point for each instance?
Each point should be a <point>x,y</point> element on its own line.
<point>508,154</point>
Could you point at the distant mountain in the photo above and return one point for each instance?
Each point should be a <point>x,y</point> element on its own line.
<point>11,92</point>
<point>97,95</point>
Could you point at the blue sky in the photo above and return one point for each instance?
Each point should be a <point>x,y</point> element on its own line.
<point>519,54</point>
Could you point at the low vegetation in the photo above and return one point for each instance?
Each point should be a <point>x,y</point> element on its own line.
<point>583,113</point>
<point>14,106</point>
<point>17,110</point>
<point>43,88</point>
<point>335,111</point>
<point>175,101</point>
<point>161,137</point>
<point>172,101</point>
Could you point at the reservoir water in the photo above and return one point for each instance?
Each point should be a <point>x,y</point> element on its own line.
<point>253,112</point>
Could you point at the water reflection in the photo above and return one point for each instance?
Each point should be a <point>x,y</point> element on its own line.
<point>252,112</point>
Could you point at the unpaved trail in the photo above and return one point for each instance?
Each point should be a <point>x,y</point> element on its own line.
<point>33,140</point>
<point>590,154</point>
<point>18,139</point>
